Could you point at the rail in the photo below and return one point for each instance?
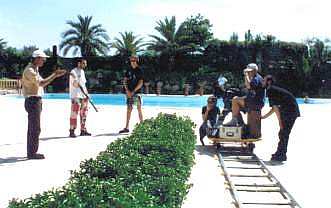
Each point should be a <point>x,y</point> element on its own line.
<point>246,174</point>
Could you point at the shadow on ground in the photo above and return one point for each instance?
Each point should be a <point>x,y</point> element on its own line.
<point>108,134</point>
<point>51,138</point>
<point>208,150</point>
<point>8,160</point>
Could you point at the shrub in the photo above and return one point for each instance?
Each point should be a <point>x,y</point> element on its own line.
<point>147,169</point>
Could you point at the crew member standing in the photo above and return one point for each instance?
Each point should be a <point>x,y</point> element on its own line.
<point>79,101</point>
<point>284,104</point>
<point>133,82</point>
<point>32,88</point>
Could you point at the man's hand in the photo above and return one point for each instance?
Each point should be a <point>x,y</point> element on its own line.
<point>59,72</point>
<point>129,94</point>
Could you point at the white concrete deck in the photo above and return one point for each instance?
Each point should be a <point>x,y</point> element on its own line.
<point>305,174</point>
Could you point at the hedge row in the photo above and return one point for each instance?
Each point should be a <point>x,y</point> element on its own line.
<point>147,169</point>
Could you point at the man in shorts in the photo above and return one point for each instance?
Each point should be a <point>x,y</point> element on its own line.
<point>133,82</point>
<point>254,100</point>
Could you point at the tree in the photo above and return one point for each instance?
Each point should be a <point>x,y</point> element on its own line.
<point>90,40</point>
<point>318,52</point>
<point>234,38</point>
<point>195,33</point>
<point>2,44</point>
<point>248,36</point>
<point>27,51</point>
<point>168,43</point>
<point>128,44</point>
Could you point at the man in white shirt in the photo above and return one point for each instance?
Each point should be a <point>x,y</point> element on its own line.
<point>79,100</point>
<point>33,89</point>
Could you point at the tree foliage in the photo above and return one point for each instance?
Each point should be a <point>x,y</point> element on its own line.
<point>128,44</point>
<point>89,40</point>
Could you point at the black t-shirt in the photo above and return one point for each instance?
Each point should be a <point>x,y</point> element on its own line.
<point>284,100</point>
<point>212,114</point>
<point>256,93</point>
<point>133,76</point>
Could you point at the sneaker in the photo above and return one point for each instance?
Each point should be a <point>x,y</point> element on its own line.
<point>125,130</point>
<point>278,158</point>
<point>233,122</point>
<point>72,133</point>
<point>85,133</point>
<point>36,156</point>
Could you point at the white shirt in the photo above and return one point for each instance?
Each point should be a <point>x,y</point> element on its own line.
<point>79,76</point>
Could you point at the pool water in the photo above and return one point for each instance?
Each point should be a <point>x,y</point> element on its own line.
<point>177,101</point>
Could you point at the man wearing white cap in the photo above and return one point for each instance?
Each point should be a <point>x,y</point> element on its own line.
<point>33,85</point>
<point>254,101</point>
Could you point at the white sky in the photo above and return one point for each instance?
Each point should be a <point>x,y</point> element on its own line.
<point>40,23</point>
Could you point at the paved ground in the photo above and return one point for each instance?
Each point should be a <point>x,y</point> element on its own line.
<point>305,175</point>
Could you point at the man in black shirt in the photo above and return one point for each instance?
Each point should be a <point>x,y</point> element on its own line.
<point>284,104</point>
<point>133,82</point>
<point>210,113</point>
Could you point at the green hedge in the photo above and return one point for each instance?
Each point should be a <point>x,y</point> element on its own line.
<point>150,168</point>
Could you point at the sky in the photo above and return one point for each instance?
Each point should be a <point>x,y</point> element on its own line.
<point>41,22</point>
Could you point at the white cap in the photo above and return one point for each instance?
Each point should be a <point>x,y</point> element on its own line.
<point>39,53</point>
<point>221,80</point>
<point>251,67</point>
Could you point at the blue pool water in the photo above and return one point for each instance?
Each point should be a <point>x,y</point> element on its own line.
<point>159,101</point>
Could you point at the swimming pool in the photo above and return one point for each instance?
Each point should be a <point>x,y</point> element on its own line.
<point>176,101</point>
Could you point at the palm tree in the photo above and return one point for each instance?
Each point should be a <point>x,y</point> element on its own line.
<point>168,43</point>
<point>2,44</point>
<point>89,39</point>
<point>128,44</point>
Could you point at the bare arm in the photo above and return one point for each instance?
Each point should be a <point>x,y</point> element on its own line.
<point>139,85</point>
<point>57,73</point>
<point>247,81</point>
<point>75,83</point>
<point>205,115</point>
<point>272,110</point>
<point>48,80</point>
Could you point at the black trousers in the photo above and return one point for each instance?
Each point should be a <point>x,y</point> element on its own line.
<point>33,105</point>
<point>203,130</point>
<point>283,134</point>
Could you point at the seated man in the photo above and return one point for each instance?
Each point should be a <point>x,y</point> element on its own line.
<point>253,101</point>
<point>210,114</point>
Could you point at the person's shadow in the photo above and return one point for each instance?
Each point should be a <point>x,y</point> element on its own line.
<point>273,163</point>
<point>108,134</point>
<point>9,160</point>
<point>209,150</point>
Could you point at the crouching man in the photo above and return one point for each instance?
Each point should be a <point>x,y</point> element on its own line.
<point>284,104</point>
<point>210,114</point>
